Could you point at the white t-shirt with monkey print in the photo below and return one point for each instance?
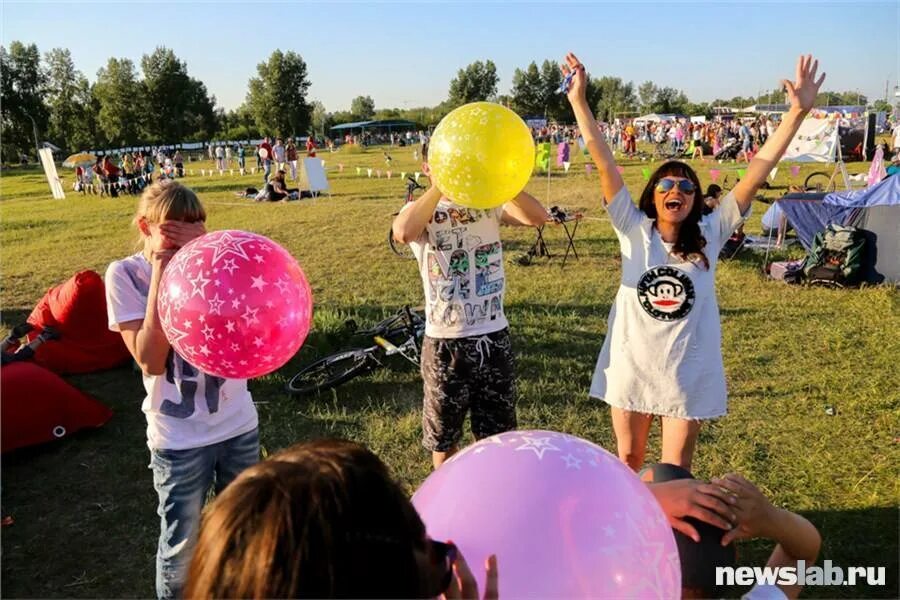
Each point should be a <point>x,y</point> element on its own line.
<point>461,262</point>
<point>662,354</point>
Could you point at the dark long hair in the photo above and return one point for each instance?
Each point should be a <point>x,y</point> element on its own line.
<point>690,242</point>
<point>322,519</point>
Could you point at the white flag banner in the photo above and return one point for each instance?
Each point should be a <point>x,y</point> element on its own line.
<point>369,171</point>
<point>566,165</point>
<point>772,173</point>
<point>417,176</point>
<point>402,174</point>
<point>815,141</point>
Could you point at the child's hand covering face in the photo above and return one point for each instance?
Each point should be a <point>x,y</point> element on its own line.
<point>175,234</point>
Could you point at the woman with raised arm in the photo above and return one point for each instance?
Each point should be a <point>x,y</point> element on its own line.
<point>662,355</point>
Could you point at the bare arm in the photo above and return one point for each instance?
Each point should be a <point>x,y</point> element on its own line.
<point>801,95</point>
<point>145,338</point>
<point>525,210</point>
<point>410,223</point>
<point>796,538</point>
<point>610,179</point>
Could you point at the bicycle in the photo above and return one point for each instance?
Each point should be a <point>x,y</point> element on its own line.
<point>400,334</point>
<point>820,181</point>
<point>403,250</point>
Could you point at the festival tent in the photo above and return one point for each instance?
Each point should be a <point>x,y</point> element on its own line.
<point>875,210</point>
<point>655,118</point>
<point>389,124</point>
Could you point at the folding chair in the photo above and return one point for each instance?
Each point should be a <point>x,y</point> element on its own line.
<point>539,248</point>
<point>570,234</point>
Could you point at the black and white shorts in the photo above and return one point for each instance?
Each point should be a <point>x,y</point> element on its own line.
<point>461,374</point>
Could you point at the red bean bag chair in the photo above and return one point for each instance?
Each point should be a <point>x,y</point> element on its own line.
<point>37,406</point>
<point>77,310</point>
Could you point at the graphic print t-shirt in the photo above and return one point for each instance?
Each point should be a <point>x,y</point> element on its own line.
<point>461,262</point>
<point>185,407</point>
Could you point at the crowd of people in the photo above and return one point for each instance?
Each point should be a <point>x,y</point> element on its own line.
<point>679,137</point>
<point>128,173</point>
<point>326,518</point>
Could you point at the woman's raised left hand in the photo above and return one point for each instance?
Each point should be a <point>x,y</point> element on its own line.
<point>802,92</point>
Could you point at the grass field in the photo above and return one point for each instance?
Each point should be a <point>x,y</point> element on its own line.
<point>84,509</point>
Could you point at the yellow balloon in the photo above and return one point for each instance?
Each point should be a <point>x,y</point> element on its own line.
<point>481,155</point>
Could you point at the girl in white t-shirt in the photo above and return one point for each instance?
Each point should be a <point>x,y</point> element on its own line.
<point>201,429</point>
<point>662,354</point>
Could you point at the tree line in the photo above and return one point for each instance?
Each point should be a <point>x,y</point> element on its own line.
<point>160,103</point>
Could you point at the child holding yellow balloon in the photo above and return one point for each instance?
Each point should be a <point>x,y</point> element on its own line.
<point>662,355</point>
<point>481,156</point>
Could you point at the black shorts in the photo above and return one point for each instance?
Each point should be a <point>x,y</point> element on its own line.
<point>461,374</point>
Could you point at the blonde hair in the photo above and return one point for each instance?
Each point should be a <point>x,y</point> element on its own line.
<point>169,201</point>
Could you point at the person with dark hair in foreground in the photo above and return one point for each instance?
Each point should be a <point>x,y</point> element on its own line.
<point>796,538</point>
<point>323,519</point>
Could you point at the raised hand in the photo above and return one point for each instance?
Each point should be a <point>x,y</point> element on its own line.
<point>802,92</point>
<point>578,85</point>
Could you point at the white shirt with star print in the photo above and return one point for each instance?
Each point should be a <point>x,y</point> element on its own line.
<point>185,408</point>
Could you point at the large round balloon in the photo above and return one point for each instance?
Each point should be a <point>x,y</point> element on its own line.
<point>481,155</point>
<point>235,304</point>
<point>565,518</point>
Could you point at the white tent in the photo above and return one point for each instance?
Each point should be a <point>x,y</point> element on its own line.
<point>654,118</point>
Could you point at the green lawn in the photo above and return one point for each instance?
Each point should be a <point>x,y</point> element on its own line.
<point>84,509</point>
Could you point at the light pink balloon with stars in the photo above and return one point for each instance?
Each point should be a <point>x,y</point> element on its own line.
<point>565,518</point>
<point>235,304</point>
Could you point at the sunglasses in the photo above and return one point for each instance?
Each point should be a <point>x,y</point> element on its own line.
<point>667,184</point>
<point>442,558</point>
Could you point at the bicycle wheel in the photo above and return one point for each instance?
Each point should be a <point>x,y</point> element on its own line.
<point>401,250</point>
<point>819,181</point>
<point>330,372</point>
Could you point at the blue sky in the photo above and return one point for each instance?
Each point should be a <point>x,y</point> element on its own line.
<point>405,54</point>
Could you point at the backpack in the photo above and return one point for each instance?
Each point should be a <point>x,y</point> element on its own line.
<point>835,257</point>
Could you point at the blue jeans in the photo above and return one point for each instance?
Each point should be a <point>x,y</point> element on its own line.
<point>267,165</point>
<point>182,479</point>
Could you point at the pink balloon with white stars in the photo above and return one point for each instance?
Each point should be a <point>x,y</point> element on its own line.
<point>235,304</point>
